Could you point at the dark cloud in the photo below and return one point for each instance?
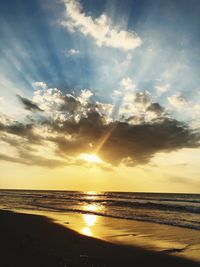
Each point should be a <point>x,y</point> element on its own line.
<point>130,141</point>
<point>156,108</point>
<point>20,129</point>
<point>143,98</point>
<point>11,159</point>
<point>121,141</point>
<point>138,143</point>
<point>28,104</point>
<point>71,104</point>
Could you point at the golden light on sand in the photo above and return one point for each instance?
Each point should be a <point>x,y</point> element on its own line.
<point>86,231</point>
<point>92,158</point>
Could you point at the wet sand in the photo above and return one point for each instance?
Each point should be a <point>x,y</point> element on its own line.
<point>32,240</point>
<point>173,240</point>
<point>177,241</point>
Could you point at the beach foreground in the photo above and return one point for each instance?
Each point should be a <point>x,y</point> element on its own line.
<point>32,240</point>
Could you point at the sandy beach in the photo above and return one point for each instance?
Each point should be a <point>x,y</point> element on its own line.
<point>32,240</point>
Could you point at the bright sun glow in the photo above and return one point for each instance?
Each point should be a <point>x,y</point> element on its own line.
<point>90,158</point>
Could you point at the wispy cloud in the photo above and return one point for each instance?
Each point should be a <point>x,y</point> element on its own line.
<point>178,101</point>
<point>72,52</point>
<point>100,29</point>
<point>161,89</point>
<point>42,85</point>
<point>28,104</point>
<point>128,83</point>
<point>30,159</point>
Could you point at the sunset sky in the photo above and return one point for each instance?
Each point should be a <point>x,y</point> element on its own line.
<point>100,95</point>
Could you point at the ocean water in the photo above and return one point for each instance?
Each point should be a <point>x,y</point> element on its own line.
<point>171,209</point>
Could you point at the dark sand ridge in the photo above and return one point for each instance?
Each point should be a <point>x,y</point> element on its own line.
<point>32,240</point>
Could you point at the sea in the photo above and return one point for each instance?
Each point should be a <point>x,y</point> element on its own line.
<point>181,210</point>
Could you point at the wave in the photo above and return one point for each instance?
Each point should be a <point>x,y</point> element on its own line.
<point>153,205</point>
<point>186,224</point>
<point>133,204</point>
<point>142,203</point>
<point>172,209</point>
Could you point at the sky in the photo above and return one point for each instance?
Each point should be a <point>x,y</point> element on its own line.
<point>100,95</point>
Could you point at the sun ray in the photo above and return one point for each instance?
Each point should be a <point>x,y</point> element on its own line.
<point>105,137</point>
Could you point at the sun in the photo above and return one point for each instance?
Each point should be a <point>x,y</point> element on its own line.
<point>90,158</point>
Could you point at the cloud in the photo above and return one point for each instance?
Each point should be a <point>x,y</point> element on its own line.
<point>11,159</point>
<point>161,89</point>
<point>131,144</point>
<point>155,108</point>
<point>128,83</point>
<point>73,52</point>
<point>134,106</point>
<point>197,108</point>
<point>42,85</point>
<point>4,119</point>
<point>72,125</point>
<point>59,107</point>
<point>85,96</point>
<point>28,104</point>
<point>178,101</point>
<point>143,99</point>
<point>100,29</point>
<point>30,159</point>
<point>71,104</point>
<point>20,129</point>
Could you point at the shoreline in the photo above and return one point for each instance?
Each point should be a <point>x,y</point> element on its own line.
<point>35,240</point>
<point>155,237</point>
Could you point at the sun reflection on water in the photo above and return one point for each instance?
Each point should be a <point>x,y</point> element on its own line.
<point>91,195</point>
<point>90,220</point>
<point>90,207</point>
